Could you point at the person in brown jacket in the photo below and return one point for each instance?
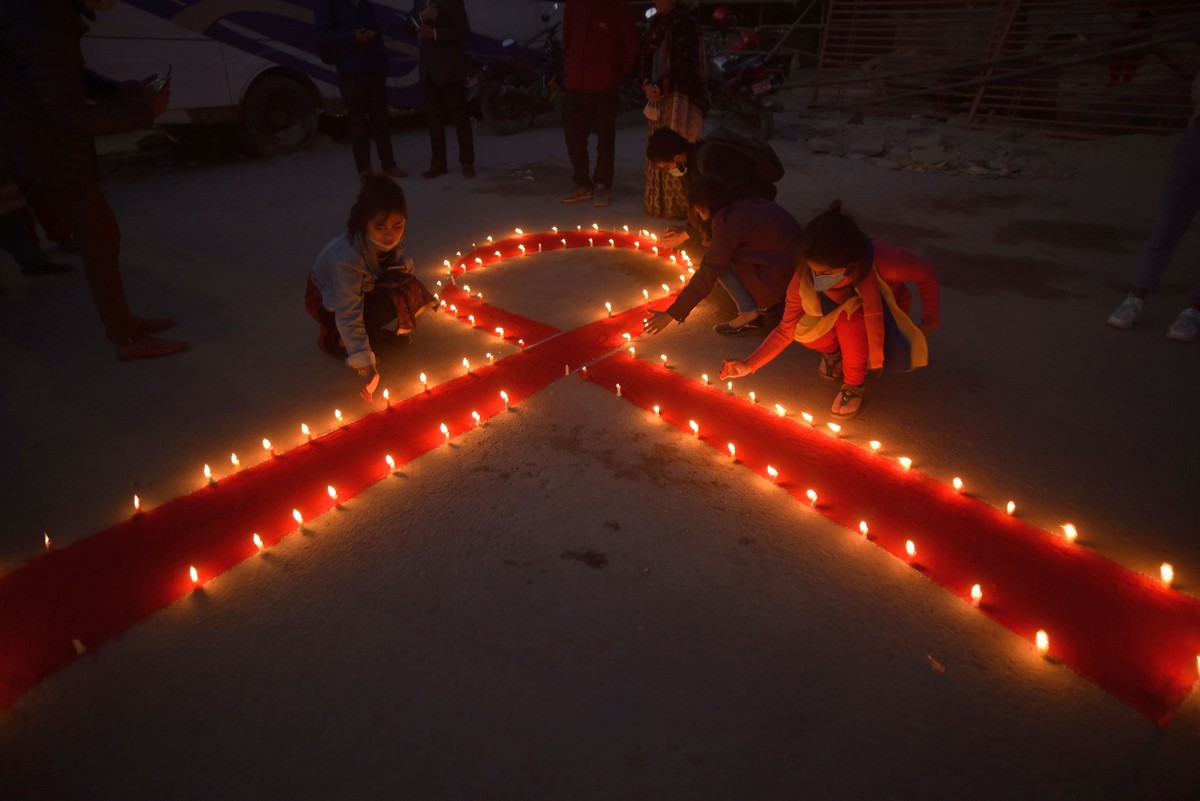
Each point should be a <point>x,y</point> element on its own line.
<point>753,245</point>
<point>47,128</point>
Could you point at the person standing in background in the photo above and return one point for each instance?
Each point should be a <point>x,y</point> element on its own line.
<point>673,71</point>
<point>600,39</point>
<point>349,37</point>
<point>444,71</point>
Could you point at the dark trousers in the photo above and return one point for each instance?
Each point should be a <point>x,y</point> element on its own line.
<point>448,101</point>
<point>585,113</point>
<point>366,106</point>
<point>16,238</point>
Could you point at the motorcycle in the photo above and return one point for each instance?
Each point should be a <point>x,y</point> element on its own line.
<point>741,79</point>
<point>513,87</point>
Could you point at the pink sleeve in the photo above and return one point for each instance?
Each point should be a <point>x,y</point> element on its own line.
<point>896,265</point>
<point>783,334</point>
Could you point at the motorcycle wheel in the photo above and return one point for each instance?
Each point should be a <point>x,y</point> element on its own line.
<point>506,109</point>
<point>761,119</point>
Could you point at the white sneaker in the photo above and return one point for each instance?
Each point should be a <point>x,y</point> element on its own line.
<point>1128,313</point>
<point>1186,326</point>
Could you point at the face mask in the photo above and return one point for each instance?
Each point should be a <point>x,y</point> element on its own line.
<point>828,280</point>
<point>380,245</point>
<point>676,171</point>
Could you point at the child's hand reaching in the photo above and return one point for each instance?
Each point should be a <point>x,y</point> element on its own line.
<point>733,368</point>
<point>370,378</point>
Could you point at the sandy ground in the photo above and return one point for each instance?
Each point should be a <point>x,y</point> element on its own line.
<point>444,635</point>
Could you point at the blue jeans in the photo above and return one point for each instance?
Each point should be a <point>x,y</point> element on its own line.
<point>737,290</point>
<point>1177,206</point>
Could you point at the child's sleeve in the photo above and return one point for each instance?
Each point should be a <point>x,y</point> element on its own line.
<point>348,302</point>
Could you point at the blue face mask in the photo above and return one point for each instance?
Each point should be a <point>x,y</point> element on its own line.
<point>828,280</point>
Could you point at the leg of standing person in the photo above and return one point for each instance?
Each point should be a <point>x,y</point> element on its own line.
<point>576,127</point>
<point>435,114</point>
<point>454,95</point>
<point>355,94</point>
<point>380,125</point>
<point>1179,202</point>
<point>18,242</point>
<point>604,123</point>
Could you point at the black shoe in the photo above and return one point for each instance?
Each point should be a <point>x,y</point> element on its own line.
<point>468,171</point>
<point>433,172</point>
<point>756,326</point>
<point>47,268</point>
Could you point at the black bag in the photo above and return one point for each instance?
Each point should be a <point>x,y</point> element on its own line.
<point>767,166</point>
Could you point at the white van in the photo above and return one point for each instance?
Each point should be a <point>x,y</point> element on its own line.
<point>256,62</point>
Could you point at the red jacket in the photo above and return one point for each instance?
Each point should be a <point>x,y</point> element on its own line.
<point>601,41</point>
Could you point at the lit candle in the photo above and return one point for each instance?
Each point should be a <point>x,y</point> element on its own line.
<point>46,539</point>
<point>1043,642</point>
<point>476,418</point>
<point>337,415</point>
<point>466,365</point>
<point>391,463</point>
<point>695,428</point>
<point>299,518</point>
<point>1167,572</point>
<point>633,351</point>
<point>519,232</point>
<point>454,310</point>
<point>627,337</point>
<point>905,462</point>
<point>564,242</point>
<point>446,264</point>
<point>835,429</point>
<point>637,245</point>
<point>566,369</point>
<point>625,228</point>
<point>424,383</point>
<point>862,527</point>
<point>554,228</point>
<point>471,320</point>
<point>1012,507</point>
<point>446,433</point>
<point>591,242</point>
<point>596,227</point>
<point>663,357</point>
<point>646,294</point>
<point>732,451</point>
<point>1069,532</point>
<point>779,410</point>
<point>504,397</point>
<point>521,344</point>
<point>233,460</point>
<point>612,243</point>
<point>875,445</point>
<point>208,474</point>
<point>618,390</point>
<point>958,485</point>
<point>497,254</point>
<point>306,432</point>
<point>489,238</point>
<point>753,397</point>
<point>478,260</point>
<point>655,251</point>
<point>976,594</point>
<point>812,498</point>
<point>387,399</point>
<point>194,574</point>
<point>666,288</point>
<point>137,504</point>
<point>773,473</point>
<point>910,548</point>
<point>657,411</point>
<point>267,447</point>
<point>808,418</point>
<point>467,287</point>
<point>522,249</point>
<point>258,543</point>
<point>704,378</point>
<point>729,387</point>
<point>332,494</point>
<point>491,359</point>
<point>500,332</point>
<point>608,308</point>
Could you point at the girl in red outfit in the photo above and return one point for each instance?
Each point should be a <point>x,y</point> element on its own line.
<point>848,300</point>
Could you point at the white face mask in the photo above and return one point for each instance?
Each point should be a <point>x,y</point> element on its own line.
<point>828,280</point>
<point>676,171</point>
<point>380,245</point>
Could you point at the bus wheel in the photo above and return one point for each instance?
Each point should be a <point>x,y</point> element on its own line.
<point>279,116</point>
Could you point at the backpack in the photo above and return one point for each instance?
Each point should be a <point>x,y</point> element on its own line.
<point>767,166</point>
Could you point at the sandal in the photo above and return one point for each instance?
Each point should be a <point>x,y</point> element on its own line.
<point>147,347</point>
<point>831,366</point>
<point>847,402</point>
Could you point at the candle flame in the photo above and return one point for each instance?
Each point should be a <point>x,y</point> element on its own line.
<point>46,539</point>
<point>596,226</point>
<point>618,390</point>
<point>905,462</point>
<point>625,228</point>
<point>608,307</point>
<point>646,294</point>
<point>753,397</point>
<point>504,397</point>
<point>466,364</point>
<point>976,594</point>
<point>732,451</point>
<point>1069,532</point>
<point>875,445</point>
<point>633,351</point>
<point>812,497</point>
<point>266,444</point>
<point>337,414</point>
<point>489,238</point>
<point>258,543</point>
<point>423,379</point>
<point>704,376</point>
<point>233,460</point>
<point>627,337</point>
<point>772,472</point>
<point>663,357</point>
<point>500,332</point>
<point>194,574</point>
<point>519,232</point>
<point>471,320</point>
<point>332,492</point>
<point>612,243</point>
<point>386,396</point>
<point>1166,570</point>
<point>666,288</point>
<point>862,527</point>
<point>692,424</point>
<point>478,260</point>
<point>958,485</point>
<point>445,432</point>
<point>1043,642</point>
<point>498,256</point>
<point>491,359</point>
<point>1012,507</point>
<point>835,428</point>
<point>475,417</point>
<point>910,548</point>
<point>137,503</point>
<point>808,418</point>
<point>657,410</point>
<point>779,410</point>
<point>391,463</point>
<point>554,228</point>
<point>299,518</point>
<point>208,472</point>
<point>304,429</point>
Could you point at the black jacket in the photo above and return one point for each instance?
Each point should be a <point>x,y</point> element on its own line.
<point>443,60</point>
